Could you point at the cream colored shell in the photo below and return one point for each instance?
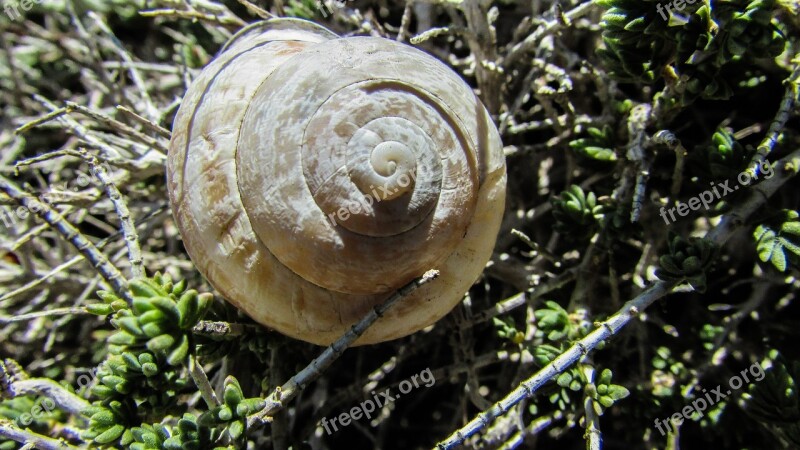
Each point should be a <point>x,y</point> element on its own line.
<point>312,175</point>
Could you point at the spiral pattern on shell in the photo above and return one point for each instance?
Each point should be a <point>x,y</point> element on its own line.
<point>312,175</point>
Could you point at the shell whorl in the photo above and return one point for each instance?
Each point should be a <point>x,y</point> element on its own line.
<point>325,172</point>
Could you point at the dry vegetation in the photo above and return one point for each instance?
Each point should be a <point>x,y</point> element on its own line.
<point>608,114</point>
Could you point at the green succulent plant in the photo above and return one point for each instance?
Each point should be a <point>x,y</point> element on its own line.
<point>577,214</point>
<point>141,375</point>
<point>185,435</point>
<point>110,422</point>
<point>160,319</point>
<point>775,400</point>
<point>553,321</point>
<point>149,437</point>
<point>721,159</point>
<point>234,410</point>
<point>778,240</point>
<point>699,48</point>
<point>687,260</point>
<point>637,40</point>
<point>599,145</point>
<point>306,9</point>
<point>505,329</point>
<point>147,354</point>
<point>604,394</point>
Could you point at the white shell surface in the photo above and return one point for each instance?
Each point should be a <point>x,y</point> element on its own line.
<point>291,126</point>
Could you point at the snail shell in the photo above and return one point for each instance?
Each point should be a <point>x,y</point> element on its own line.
<point>311,175</point>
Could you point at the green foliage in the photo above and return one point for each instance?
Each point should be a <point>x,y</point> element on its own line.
<point>234,410</point>
<point>109,422</point>
<point>557,329</point>
<point>667,374</point>
<point>571,380</point>
<point>14,409</point>
<point>553,321</point>
<point>507,330</point>
<point>160,319</point>
<point>723,158</point>
<point>636,38</point>
<point>569,383</point>
<point>557,325</point>
<point>126,9</point>
<point>144,370</point>
<point>35,413</point>
<point>154,385</point>
<point>305,9</point>
<point>149,437</point>
<point>544,354</point>
<point>775,400</point>
<point>185,435</point>
<point>604,394</point>
<point>708,334</point>
<point>701,49</point>
<point>599,145</point>
<point>687,260</point>
<point>778,241</point>
<point>577,214</point>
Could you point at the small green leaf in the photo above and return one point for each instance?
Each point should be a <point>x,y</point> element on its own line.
<point>121,338</point>
<point>188,306</point>
<point>236,429</point>
<point>225,414</point>
<point>617,392</point>
<point>104,418</point>
<point>99,309</point>
<point>141,287</point>
<point>110,435</point>
<point>564,379</point>
<point>161,344</point>
<point>149,369</point>
<point>179,354</point>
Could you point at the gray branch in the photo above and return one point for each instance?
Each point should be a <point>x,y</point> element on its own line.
<point>10,431</point>
<point>103,266</point>
<point>285,393</point>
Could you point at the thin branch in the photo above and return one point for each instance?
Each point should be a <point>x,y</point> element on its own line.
<point>115,124</point>
<point>223,329</point>
<point>593,436</point>
<point>435,32</point>
<point>38,314</point>
<point>52,115</point>
<point>201,381</point>
<point>256,10</point>
<point>405,21</point>
<point>46,387</point>
<point>10,431</point>
<point>136,77</point>
<point>128,228</point>
<point>549,27</point>
<point>515,301</point>
<point>163,132</point>
<point>537,426</point>
<point>283,394</point>
<point>103,266</point>
<point>482,43</point>
<point>75,260</point>
<point>225,20</point>
<point>788,103</point>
